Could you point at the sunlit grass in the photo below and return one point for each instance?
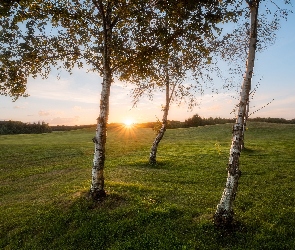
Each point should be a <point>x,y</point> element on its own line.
<point>44,180</point>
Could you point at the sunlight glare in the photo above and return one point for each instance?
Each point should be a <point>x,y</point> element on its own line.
<point>128,123</point>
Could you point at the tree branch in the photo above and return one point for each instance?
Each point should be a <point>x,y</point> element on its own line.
<point>99,6</point>
<point>249,2</point>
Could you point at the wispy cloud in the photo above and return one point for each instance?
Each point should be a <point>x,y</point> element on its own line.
<point>78,87</point>
<point>64,120</point>
<point>19,107</point>
<point>77,108</point>
<point>43,113</point>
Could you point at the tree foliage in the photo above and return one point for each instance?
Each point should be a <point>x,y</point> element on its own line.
<point>233,46</point>
<point>17,127</point>
<point>224,213</point>
<point>182,35</point>
<point>97,34</point>
<point>135,40</point>
<point>178,41</point>
<point>127,39</point>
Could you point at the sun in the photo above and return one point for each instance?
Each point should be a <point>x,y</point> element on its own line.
<point>127,128</point>
<point>128,123</point>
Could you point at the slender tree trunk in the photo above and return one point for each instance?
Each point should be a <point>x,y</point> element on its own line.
<point>245,121</point>
<point>245,125</point>
<point>97,191</point>
<point>224,212</point>
<point>161,132</point>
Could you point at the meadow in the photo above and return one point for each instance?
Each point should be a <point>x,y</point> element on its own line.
<point>44,180</point>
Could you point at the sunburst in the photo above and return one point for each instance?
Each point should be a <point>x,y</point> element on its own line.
<point>128,123</point>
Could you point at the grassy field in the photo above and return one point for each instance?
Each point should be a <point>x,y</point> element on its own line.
<point>44,180</point>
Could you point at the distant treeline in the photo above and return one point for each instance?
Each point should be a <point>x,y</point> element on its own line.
<point>272,120</point>
<point>67,128</point>
<point>17,127</point>
<point>196,121</point>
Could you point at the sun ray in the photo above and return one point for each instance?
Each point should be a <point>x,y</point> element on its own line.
<point>128,123</point>
<point>126,129</point>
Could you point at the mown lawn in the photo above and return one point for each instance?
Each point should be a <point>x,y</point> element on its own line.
<point>44,180</point>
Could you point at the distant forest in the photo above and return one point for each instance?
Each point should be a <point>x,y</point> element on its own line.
<point>196,121</point>
<point>17,127</point>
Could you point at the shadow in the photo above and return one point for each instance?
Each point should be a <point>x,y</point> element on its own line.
<point>110,202</point>
<point>230,236</point>
<point>162,164</point>
<point>248,150</point>
<point>118,223</point>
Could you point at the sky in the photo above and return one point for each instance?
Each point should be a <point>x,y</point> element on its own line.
<point>74,99</point>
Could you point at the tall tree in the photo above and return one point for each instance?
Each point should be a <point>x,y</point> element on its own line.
<point>173,86</point>
<point>224,213</point>
<point>182,33</point>
<point>98,33</point>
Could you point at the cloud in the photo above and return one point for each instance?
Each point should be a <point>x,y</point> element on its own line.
<point>77,108</point>
<point>43,113</point>
<point>72,89</point>
<point>124,85</point>
<point>21,104</point>
<point>64,120</point>
<point>214,107</point>
<point>19,107</point>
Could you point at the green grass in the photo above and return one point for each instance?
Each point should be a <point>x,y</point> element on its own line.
<point>44,180</point>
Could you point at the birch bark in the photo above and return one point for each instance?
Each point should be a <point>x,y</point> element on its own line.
<point>245,124</point>
<point>224,212</point>
<point>97,191</point>
<point>154,148</point>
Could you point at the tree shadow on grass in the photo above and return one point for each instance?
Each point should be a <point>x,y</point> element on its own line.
<point>113,224</point>
<point>247,150</point>
<point>161,164</point>
<point>254,152</point>
<point>238,235</point>
<point>82,201</point>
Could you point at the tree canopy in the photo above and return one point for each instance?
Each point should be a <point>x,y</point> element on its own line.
<point>113,38</point>
<point>134,40</point>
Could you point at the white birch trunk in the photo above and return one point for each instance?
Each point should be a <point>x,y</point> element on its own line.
<point>245,125</point>
<point>154,148</point>
<point>97,191</point>
<point>224,212</point>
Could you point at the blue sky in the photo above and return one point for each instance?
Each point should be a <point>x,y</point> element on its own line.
<point>74,99</point>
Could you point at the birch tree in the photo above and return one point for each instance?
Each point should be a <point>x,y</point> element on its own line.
<point>182,32</point>
<point>99,34</point>
<point>224,213</point>
<point>173,86</point>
